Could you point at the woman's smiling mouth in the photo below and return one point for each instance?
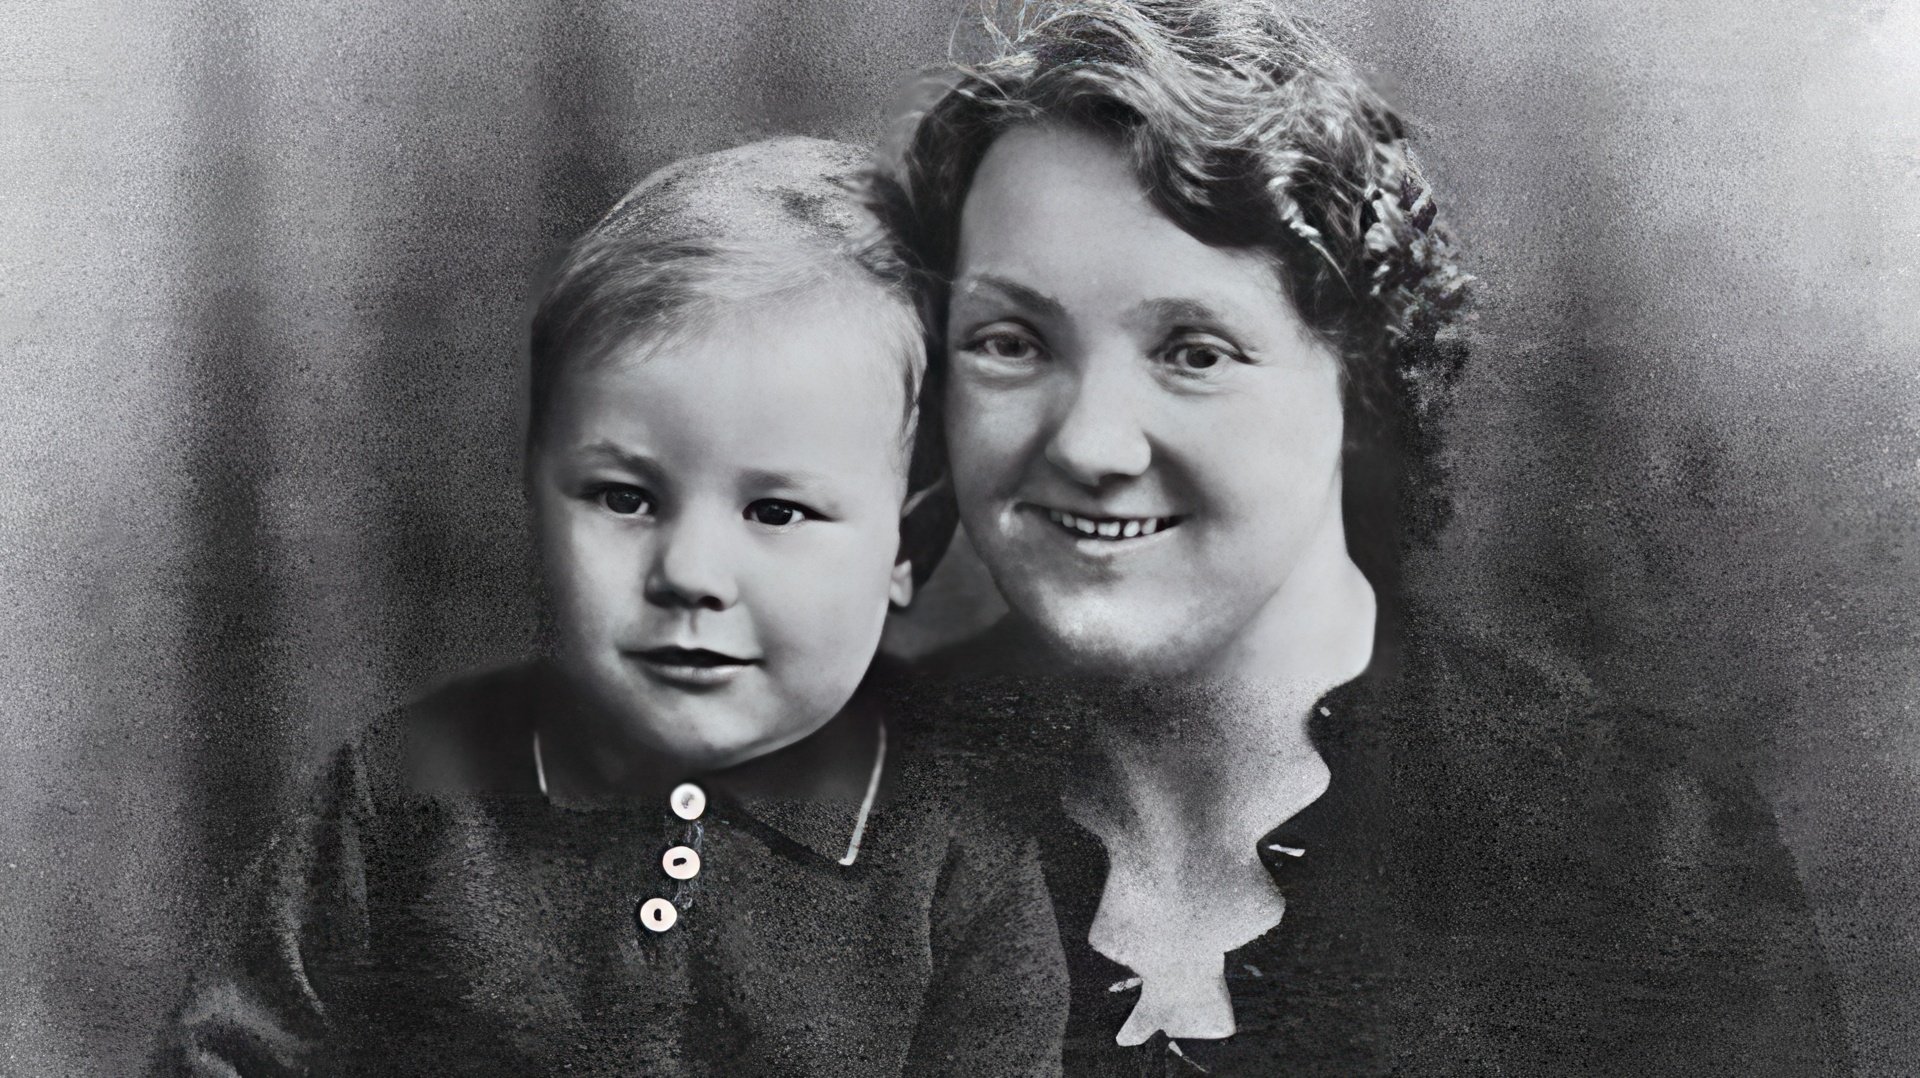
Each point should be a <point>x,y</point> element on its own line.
<point>1108,528</point>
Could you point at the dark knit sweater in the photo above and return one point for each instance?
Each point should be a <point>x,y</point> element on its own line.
<point>431,912</point>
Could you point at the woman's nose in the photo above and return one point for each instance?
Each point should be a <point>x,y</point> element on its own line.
<point>1097,435</point>
<point>691,568</point>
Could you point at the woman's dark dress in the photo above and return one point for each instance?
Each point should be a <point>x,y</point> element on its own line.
<point>1505,877</point>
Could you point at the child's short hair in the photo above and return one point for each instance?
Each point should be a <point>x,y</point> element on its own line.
<point>755,224</point>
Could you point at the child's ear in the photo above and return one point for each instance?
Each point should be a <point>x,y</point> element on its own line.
<point>900,588</point>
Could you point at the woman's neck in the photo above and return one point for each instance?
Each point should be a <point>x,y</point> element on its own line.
<point>1230,742</point>
<point>1314,634</point>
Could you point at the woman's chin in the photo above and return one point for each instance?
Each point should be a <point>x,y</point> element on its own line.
<point>1111,643</point>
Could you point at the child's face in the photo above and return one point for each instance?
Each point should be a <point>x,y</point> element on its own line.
<point>719,519</point>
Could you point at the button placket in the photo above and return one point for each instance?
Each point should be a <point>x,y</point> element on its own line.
<point>693,839</point>
<point>680,863</point>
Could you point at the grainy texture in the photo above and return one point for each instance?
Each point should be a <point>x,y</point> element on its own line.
<point>263,280</point>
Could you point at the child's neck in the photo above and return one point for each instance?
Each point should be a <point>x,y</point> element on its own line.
<point>586,757</point>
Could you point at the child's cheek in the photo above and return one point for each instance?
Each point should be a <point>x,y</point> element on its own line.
<point>836,605</point>
<point>593,576</point>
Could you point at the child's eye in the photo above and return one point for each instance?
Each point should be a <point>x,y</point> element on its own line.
<point>624,500</point>
<point>775,513</point>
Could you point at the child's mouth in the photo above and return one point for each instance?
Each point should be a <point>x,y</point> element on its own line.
<point>697,668</point>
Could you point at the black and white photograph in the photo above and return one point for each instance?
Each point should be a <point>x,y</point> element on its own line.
<point>960,537</point>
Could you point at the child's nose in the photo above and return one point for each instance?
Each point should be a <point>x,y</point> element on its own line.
<point>691,568</point>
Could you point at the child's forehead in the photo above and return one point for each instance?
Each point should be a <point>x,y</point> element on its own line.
<point>768,391</point>
<point>827,330</point>
<point>774,386</point>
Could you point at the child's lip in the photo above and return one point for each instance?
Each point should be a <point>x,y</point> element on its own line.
<point>692,669</point>
<point>695,658</point>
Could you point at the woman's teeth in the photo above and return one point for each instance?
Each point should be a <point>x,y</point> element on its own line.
<point>1111,528</point>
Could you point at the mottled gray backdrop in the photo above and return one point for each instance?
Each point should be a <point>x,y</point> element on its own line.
<point>264,271</point>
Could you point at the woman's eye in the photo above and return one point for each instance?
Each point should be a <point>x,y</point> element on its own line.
<point>1200,357</point>
<point>625,500</point>
<point>1004,345</point>
<point>774,513</point>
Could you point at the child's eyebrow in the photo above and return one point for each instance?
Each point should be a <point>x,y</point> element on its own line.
<point>614,453</point>
<point>768,479</point>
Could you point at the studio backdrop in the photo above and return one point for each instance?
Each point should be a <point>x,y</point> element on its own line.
<point>264,279</point>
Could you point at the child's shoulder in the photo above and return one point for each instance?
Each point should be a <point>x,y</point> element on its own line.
<point>469,735</point>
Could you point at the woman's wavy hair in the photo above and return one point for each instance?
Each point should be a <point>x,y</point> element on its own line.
<point>1249,131</point>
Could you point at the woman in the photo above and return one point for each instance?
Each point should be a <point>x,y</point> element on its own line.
<point>1194,297</point>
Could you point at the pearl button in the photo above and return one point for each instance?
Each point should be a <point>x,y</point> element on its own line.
<point>656,915</point>
<point>681,862</point>
<point>687,801</point>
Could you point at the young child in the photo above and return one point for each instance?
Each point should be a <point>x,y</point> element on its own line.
<point>682,843</point>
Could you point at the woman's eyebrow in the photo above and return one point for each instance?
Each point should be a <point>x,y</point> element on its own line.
<point>1031,298</point>
<point>1163,311</point>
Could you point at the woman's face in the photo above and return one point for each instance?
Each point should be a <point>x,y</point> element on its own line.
<point>1145,438</point>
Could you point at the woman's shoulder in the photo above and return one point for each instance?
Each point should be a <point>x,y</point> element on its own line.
<point>1538,773</point>
<point>1444,659</point>
<point>1502,695</point>
<point>1552,810</point>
